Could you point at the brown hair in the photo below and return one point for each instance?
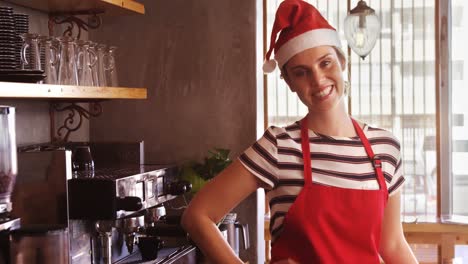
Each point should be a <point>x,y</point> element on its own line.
<point>341,56</point>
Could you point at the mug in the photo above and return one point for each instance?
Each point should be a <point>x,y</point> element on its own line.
<point>149,247</point>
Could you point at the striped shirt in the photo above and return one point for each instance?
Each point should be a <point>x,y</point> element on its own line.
<point>276,159</point>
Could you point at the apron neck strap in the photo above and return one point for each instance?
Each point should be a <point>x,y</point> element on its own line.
<point>305,144</point>
<point>376,162</point>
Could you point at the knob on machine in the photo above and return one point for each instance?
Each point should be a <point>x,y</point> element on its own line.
<point>129,203</point>
<point>178,187</point>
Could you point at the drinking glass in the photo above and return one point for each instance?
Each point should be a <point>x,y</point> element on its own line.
<point>111,67</point>
<point>30,56</point>
<point>86,59</point>
<point>68,73</point>
<point>82,162</point>
<point>51,58</point>
<point>102,58</point>
<point>94,66</point>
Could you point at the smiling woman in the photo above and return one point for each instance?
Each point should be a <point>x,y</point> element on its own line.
<point>333,182</point>
<point>405,86</point>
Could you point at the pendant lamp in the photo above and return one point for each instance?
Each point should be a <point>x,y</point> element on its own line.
<point>362,28</point>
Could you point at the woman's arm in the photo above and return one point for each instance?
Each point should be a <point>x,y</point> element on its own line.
<point>212,202</point>
<point>393,245</point>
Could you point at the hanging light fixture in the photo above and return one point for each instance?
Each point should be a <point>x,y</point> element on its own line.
<point>362,27</point>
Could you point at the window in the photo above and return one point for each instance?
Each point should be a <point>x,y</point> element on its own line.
<point>394,88</point>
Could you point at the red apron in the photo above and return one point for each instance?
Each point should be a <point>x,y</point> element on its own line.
<point>329,224</point>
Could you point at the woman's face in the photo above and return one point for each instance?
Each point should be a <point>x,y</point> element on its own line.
<point>316,76</point>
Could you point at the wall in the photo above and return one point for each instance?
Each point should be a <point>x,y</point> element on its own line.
<point>32,116</point>
<point>198,61</point>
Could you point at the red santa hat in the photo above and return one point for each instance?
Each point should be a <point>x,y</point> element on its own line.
<point>302,27</point>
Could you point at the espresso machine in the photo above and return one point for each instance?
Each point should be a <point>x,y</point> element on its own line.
<point>8,172</point>
<point>120,212</point>
<point>126,206</point>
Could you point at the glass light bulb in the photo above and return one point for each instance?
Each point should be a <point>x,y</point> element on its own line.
<point>360,38</point>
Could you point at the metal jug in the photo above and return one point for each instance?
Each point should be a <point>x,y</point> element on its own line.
<point>39,245</point>
<point>230,229</point>
<point>8,159</point>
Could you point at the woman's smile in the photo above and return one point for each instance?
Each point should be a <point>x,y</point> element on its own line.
<point>324,93</point>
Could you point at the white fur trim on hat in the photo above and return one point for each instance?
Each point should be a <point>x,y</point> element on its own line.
<point>269,66</point>
<point>307,40</point>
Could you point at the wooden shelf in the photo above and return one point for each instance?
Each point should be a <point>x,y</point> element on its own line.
<point>108,7</point>
<point>47,91</point>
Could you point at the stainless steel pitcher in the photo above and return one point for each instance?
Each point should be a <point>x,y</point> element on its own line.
<point>8,158</point>
<point>231,230</point>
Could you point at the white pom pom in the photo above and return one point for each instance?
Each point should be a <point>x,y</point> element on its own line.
<point>269,66</point>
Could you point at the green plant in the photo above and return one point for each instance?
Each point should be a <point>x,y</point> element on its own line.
<point>217,160</point>
<point>199,173</point>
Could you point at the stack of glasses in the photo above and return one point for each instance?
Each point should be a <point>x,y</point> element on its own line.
<point>12,27</point>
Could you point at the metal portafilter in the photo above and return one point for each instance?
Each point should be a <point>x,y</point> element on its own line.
<point>167,228</point>
<point>104,229</point>
<point>152,215</point>
<point>130,226</point>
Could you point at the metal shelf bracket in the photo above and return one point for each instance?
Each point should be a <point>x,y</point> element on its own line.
<point>72,20</point>
<point>74,119</point>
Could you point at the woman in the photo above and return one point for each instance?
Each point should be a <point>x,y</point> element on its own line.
<point>334,196</point>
